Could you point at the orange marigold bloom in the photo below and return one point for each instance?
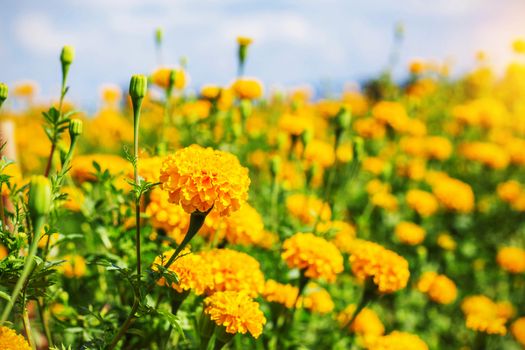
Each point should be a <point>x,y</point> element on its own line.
<point>74,266</point>
<point>518,330</point>
<point>385,200</point>
<point>509,191</point>
<point>388,270</point>
<point>200,178</point>
<point>245,226</point>
<point>446,241</point>
<point>237,312</point>
<point>511,259</point>
<point>295,124</point>
<point>391,113</point>
<point>410,233</point>
<point>248,88</point>
<point>369,128</point>
<point>316,299</point>
<point>424,203</point>
<point>328,108</point>
<point>315,255</point>
<point>170,218</point>
<point>9,340</point>
<point>308,208</point>
<point>454,194</point>
<point>374,165</point>
<point>439,288</point>
<point>320,153</point>
<point>438,147</point>
<point>161,77</point>
<point>191,270</point>
<point>366,323</point>
<point>483,315</point>
<point>488,154</point>
<point>284,294</point>
<point>398,341</point>
<point>3,251</point>
<point>234,271</point>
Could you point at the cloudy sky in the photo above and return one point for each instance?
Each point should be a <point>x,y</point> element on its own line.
<point>296,41</point>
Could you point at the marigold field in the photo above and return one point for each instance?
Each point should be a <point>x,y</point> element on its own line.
<point>385,217</point>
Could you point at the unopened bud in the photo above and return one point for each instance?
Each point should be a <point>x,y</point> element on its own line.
<point>159,34</point>
<point>40,197</point>
<point>343,118</point>
<point>358,149</point>
<point>3,93</point>
<point>138,86</point>
<point>67,55</point>
<point>245,108</point>
<point>75,127</point>
<point>307,136</point>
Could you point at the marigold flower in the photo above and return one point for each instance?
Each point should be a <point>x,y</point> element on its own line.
<point>439,288</point>
<point>236,311</point>
<point>284,294</point>
<point>316,299</point>
<point>424,203</point>
<point>391,113</point>
<point>234,271</point>
<point>446,241</point>
<point>454,194</point>
<point>388,270</point>
<point>328,108</point>
<point>386,201</point>
<point>438,147</point>
<point>161,78</point>
<point>9,340</point>
<point>509,191</point>
<point>248,88</point>
<point>295,124</point>
<point>398,341</point>
<point>3,251</point>
<point>488,154</point>
<point>83,170</point>
<point>201,178</point>
<point>410,233</point>
<point>369,128</point>
<point>245,226</point>
<point>366,323</point>
<point>511,259</point>
<point>308,208</point>
<point>518,330</point>
<point>374,165</point>
<point>343,233</point>
<point>315,255</point>
<point>74,266</point>
<point>483,315</point>
<point>192,271</point>
<point>320,153</point>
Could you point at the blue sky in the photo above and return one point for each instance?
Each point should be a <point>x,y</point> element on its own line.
<point>296,41</point>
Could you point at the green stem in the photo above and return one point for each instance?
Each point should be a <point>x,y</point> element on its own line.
<point>125,325</point>
<point>136,122</point>
<point>45,322</point>
<point>27,326</point>
<point>28,266</point>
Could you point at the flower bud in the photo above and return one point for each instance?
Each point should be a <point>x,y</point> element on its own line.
<point>138,86</point>
<point>307,136</point>
<point>343,118</point>
<point>3,93</point>
<point>40,196</point>
<point>358,149</point>
<point>275,165</point>
<point>68,55</point>
<point>245,108</point>
<point>159,34</point>
<point>75,127</point>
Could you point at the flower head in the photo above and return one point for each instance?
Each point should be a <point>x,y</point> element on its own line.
<point>439,288</point>
<point>454,194</point>
<point>245,226</point>
<point>511,259</point>
<point>398,341</point>
<point>161,77</point>
<point>316,299</point>
<point>518,330</point>
<point>410,233</point>
<point>248,88</point>
<point>484,315</point>
<point>366,323</point>
<point>388,270</point>
<point>236,311</point>
<point>166,216</point>
<point>308,208</point>
<point>315,255</point>
<point>9,340</point>
<point>284,294</point>
<point>424,203</point>
<point>201,178</point>
<point>74,266</point>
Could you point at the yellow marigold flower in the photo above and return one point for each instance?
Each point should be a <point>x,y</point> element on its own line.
<point>391,113</point>
<point>410,233</point>
<point>3,251</point>
<point>417,67</point>
<point>248,88</point>
<point>234,271</point>
<point>488,154</point>
<point>295,124</point>
<point>74,266</point>
<point>424,203</point>
<point>315,255</point>
<point>320,153</point>
<point>414,169</point>
<point>518,46</point>
<point>445,241</point>
<point>170,218</point>
<point>357,102</point>
<point>161,77</point>
<point>518,330</point>
<point>509,191</point>
<point>316,299</point>
<point>210,92</point>
<point>438,147</point>
<point>388,270</point>
<point>109,129</point>
<point>439,288</point>
<point>192,271</point>
<point>505,309</point>
<point>416,128</point>
<point>26,89</point>
<point>366,323</point>
<point>9,340</point>
<point>196,110</point>
<point>244,41</point>
<point>284,294</point>
<point>374,165</point>
<point>201,178</point>
<point>82,169</point>
<point>369,128</point>
<point>514,147</point>
<point>482,315</point>
<point>345,152</point>
<point>237,312</point>
<point>376,186</point>
<point>111,94</point>
<point>454,194</point>
<point>245,226</point>
<point>385,200</point>
<point>328,108</point>
<point>511,259</point>
<point>398,341</point>
<point>308,208</point>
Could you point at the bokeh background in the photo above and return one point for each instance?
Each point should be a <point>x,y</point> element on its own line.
<point>296,41</point>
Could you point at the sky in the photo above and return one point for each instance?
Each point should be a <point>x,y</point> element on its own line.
<point>295,41</point>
